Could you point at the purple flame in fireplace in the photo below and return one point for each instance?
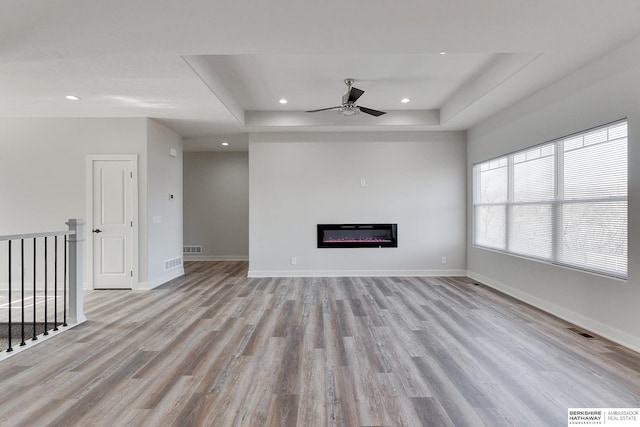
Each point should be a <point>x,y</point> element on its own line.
<point>368,240</point>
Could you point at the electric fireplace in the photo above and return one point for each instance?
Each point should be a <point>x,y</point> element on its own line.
<point>357,235</point>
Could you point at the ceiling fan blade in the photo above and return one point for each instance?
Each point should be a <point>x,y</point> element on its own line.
<point>323,109</point>
<point>375,113</point>
<point>354,94</point>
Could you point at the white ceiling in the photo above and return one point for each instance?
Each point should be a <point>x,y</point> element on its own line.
<point>316,81</point>
<point>213,70</point>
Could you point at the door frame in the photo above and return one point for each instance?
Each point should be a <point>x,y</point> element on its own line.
<point>90,159</point>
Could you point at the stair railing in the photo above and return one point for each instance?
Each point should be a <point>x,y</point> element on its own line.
<point>44,280</point>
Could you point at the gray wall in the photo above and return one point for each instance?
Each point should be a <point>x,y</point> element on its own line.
<point>216,204</point>
<point>414,179</point>
<point>43,162</point>
<point>164,238</point>
<point>604,91</point>
<point>43,171</point>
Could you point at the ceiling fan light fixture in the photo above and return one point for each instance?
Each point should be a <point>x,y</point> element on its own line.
<point>348,110</point>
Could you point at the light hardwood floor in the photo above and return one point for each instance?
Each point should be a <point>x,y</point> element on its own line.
<point>217,349</point>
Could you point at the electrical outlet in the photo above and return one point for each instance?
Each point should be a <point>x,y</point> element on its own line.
<point>293,260</point>
<point>444,260</point>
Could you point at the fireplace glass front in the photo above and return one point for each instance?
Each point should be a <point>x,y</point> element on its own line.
<point>357,235</point>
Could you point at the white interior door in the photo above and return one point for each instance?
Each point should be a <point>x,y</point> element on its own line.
<point>112,224</point>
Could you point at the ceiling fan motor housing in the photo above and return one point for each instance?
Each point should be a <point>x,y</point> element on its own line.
<point>345,97</point>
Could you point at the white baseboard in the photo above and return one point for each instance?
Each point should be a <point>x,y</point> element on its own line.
<point>630,341</point>
<point>355,273</point>
<point>216,258</point>
<point>169,275</point>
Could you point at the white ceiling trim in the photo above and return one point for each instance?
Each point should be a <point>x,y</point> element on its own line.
<point>202,69</point>
<point>296,119</point>
<point>503,67</point>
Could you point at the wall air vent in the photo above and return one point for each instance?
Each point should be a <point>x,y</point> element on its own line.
<point>581,333</point>
<point>170,264</point>
<point>192,249</point>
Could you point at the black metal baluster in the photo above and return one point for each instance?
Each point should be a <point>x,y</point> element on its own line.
<point>46,331</point>
<point>35,337</point>
<point>22,293</point>
<point>64,294</point>
<point>55,283</point>
<point>9,348</point>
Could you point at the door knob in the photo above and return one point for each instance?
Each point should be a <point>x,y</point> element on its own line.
<point>97,230</point>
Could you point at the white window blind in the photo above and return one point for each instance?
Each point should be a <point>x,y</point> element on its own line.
<point>563,202</point>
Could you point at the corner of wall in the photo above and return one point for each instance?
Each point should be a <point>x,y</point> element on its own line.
<point>162,216</point>
<point>160,280</point>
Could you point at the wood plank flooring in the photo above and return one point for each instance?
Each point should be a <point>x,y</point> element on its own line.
<point>217,349</point>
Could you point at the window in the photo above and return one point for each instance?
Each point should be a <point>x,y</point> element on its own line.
<point>563,202</point>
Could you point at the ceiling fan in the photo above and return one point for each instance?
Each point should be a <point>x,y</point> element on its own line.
<point>349,107</point>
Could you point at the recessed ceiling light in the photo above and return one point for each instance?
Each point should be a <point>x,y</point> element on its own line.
<point>405,100</point>
<point>225,143</point>
<point>283,101</point>
<point>72,98</point>
<point>443,53</point>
